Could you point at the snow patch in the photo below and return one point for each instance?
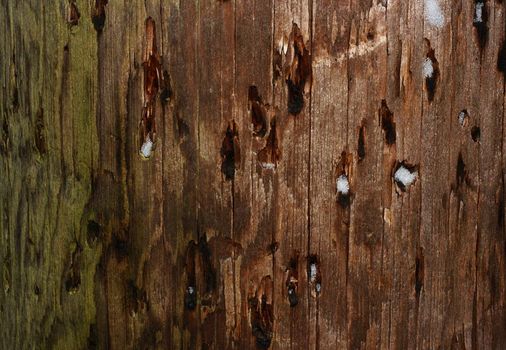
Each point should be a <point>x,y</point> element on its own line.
<point>433,13</point>
<point>427,68</point>
<point>147,148</point>
<point>405,176</point>
<point>478,12</point>
<point>312,272</point>
<point>343,185</point>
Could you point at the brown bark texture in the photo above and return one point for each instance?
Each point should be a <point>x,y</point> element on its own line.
<point>252,174</point>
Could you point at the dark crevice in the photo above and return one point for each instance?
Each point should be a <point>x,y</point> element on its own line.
<point>258,112</point>
<point>230,152</point>
<point>480,20</point>
<point>419,271</point>
<point>461,170</point>
<point>387,123</point>
<point>73,276</point>
<point>475,133</point>
<point>152,83</point>
<point>292,280</point>
<point>98,15</point>
<point>361,143</point>
<point>314,273</point>
<point>74,14</point>
<point>431,76</point>
<point>270,155</point>
<point>299,72</point>
<point>40,133</point>
<point>190,296</point>
<point>137,299</point>
<point>262,316</point>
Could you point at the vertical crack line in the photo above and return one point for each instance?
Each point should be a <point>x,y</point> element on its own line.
<point>197,63</point>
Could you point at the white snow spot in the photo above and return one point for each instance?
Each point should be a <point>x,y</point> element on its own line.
<point>268,165</point>
<point>463,118</point>
<point>433,13</point>
<point>318,288</point>
<point>343,185</point>
<point>191,290</point>
<point>427,68</point>
<point>312,272</point>
<point>146,148</point>
<point>404,176</point>
<point>478,12</point>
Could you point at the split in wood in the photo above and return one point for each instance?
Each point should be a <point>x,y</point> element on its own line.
<point>404,175</point>
<point>419,271</point>
<point>73,278</point>
<point>501,59</point>
<point>361,143</point>
<point>292,281</point>
<point>430,72</point>
<point>258,112</point>
<point>270,155</point>
<point>152,82</point>
<point>199,264</point>
<point>74,15</point>
<point>314,274</point>
<point>230,152</point>
<point>262,317</point>
<point>299,72</point>
<point>343,187</point>
<point>480,22</point>
<point>387,123</point>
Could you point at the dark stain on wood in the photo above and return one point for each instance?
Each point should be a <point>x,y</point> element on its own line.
<point>419,271</point>
<point>299,72</point>
<point>230,152</point>
<point>40,133</point>
<point>98,15</point>
<point>501,59</point>
<point>137,300</point>
<point>475,133</point>
<point>190,296</point>
<point>262,316</point>
<point>94,232</point>
<point>74,14</point>
<point>258,113</point>
<point>361,143</point>
<point>166,90</point>
<point>208,270</point>
<point>387,123</point>
<point>461,170</point>
<point>73,275</point>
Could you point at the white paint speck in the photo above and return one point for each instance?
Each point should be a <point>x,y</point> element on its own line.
<point>312,272</point>
<point>343,185</point>
<point>404,176</point>
<point>147,148</point>
<point>433,13</point>
<point>478,12</point>
<point>427,68</point>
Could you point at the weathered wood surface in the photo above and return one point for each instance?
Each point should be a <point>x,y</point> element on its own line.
<point>232,234</point>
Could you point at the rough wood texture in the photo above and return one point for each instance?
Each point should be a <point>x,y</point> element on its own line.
<point>232,234</point>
